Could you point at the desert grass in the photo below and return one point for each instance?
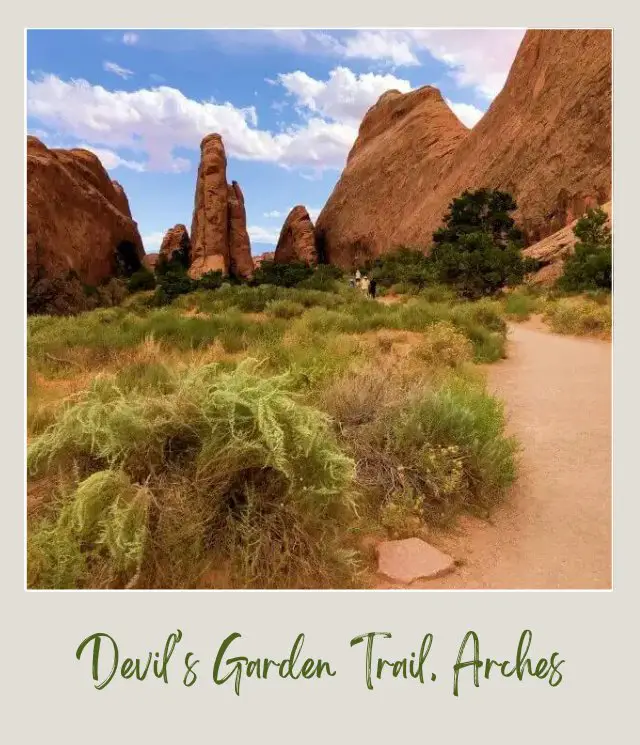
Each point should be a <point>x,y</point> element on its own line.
<point>581,316</point>
<point>245,437</point>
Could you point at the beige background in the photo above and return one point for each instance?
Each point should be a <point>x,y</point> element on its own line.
<point>48,695</point>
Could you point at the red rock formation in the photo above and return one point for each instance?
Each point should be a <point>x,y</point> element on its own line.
<point>546,139</point>
<point>150,261</point>
<point>219,222</point>
<point>266,256</point>
<point>240,261</point>
<point>297,239</point>
<point>552,251</point>
<point>122,203</point>
<point>175,239</point>
<point>78,220</point>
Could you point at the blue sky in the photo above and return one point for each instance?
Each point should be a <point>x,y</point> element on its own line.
<point>287,104</point>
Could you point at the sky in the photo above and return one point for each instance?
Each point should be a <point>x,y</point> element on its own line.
<point>287,103</point>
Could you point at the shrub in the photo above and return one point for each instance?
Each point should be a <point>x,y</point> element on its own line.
<point>443,449</point>
<point>357,397</point>
<point>520,305</point>
<point>444,345</point>
<point>437,294</point>
<point>282,275</point>
<point>142,279</point>
<point>105,519</point>
<point>578,316</point>
<point>243,472</point>
<point>284,308</point>
<point>590,266</point>
<point>405,267</point>
<point>210,281</point>
<point>171,284</point>
<point>325,277</point>
<point>478,250</point>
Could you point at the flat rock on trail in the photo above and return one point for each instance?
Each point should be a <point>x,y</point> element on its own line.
<point>554,530</point>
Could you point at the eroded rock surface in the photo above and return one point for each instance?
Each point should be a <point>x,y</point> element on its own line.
<point>297,239</point>
<point>546,139</point>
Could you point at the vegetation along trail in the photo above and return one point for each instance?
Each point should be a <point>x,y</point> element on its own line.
<point>555,529</point>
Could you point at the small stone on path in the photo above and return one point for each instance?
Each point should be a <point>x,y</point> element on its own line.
<point>410,559</point>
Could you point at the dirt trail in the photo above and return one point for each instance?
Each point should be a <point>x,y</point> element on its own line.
<point>555,529</point>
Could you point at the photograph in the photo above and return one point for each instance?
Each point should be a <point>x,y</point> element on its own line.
<point>318,309</point>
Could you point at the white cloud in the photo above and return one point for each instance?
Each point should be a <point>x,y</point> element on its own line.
<point>130,38</point>
<point>273,213</point>
<point>111,160</point>
<point>152,241</point>
<point>258,234</point>
<point>157,121</point>
<point>468,114</point>
<point>388,46</point>
<point>478,58</point>
<point>345,96</point>
<point>314,212</point>
<point>115,68</point>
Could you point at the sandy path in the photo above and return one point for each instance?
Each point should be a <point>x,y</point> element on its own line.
<point>555,529</point>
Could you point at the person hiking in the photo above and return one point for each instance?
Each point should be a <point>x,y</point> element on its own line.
<point>358,276</point>
<point>364,284</point>
<point>372,288</point>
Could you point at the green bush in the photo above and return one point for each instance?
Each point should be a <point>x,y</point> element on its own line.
<point>590,266</point>
<point>171,284</point>
<point>580,316</point>
<point>325,277</point>
<point>520,305</point>
<point>231,463</point>
<point>211,280</point>
<point>443,344</point>
<point>478,250</point>
<point>281,275</point>
<point>405,267</point>
<point>442,451</point>
<point>143,279</point>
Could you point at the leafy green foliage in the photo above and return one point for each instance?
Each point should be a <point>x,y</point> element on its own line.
<point>405,267</point>
<point>211,280</point>
<point>104,519</point>
<point>172,282</point>
<point>478,250</point>
<point>324,278</point>
<point>269,468</point>
<point>281,275</point>
<point>482,211</point>
<point>579,315</point>
<point>590,266</point>
<point>439,451</point>
<point>143,279</point>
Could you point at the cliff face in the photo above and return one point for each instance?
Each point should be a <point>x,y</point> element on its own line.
<point>297,239</point>
<point>403,148</point>
<point>219,239</point>
<point>78,220</point>
<point>240,261</point>
<point>546,139</point>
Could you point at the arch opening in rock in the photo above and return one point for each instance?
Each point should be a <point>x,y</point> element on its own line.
<point>127,259</point>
